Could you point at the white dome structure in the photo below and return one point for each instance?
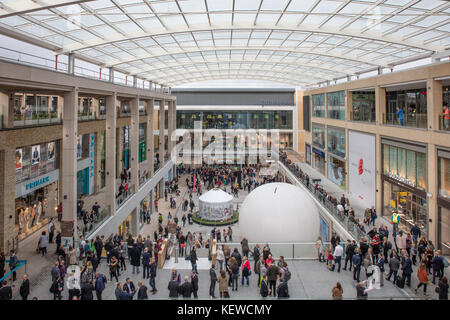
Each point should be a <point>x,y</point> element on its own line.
<point>279,212</point>
<point>216,205</point>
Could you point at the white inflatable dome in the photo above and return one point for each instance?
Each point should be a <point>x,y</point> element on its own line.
<point>279,212</point>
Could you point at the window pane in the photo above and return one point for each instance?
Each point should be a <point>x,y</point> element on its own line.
<point>411,166</point>
<point>401,157</point>
<point>386,169</point>
<point>393,160</point>
<point>421,171</point>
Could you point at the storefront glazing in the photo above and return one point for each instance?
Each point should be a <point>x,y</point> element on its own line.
<point>318,136</point>
<point>411,105</point>
<point>318,160</point>
<point>336,171</point>
<point>318,105</point>
<point>363,106</point>
<point>336,105</point>
<point>336,141</point>
<point>444,201</point>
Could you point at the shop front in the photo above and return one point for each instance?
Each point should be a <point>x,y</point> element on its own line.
<point>404,183</point>
<point>318,160</point>
<point>36,202</point>
<point>443,201</point>
<point>308,153</point>
<point>36,188</point>
<point>336,170</point>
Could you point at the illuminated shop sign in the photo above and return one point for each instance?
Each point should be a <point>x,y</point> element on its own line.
<point>37,183</point>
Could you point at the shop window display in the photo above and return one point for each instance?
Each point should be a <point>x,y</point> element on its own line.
<point>336,141</point>
<point>318,136</point>
<point>336,171</point>
<point>336,105</point>
<point>444,177</point>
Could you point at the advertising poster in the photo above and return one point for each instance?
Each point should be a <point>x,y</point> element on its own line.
<point>19,153</point>
<point>51,151</point>
<point>362,166</point>
<point>35,154</point>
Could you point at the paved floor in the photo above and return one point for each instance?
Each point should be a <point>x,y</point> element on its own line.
<point>310,279</point>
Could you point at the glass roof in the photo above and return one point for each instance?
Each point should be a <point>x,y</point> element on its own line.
<point>300,42</point>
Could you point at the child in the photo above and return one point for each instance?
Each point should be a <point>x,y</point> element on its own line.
<point>330,259</point>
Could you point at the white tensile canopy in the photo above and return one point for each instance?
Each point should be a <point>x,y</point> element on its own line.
<point>216,205</point>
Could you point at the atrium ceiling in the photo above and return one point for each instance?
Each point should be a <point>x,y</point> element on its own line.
<point>174,42</point>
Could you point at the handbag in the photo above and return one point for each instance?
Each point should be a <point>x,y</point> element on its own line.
<point>436,289</point>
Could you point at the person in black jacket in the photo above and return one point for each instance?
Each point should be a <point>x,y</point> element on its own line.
<point>264,291</point>
<point>5,291</point>
<point>349,254</point>
<point>129,286</point>
<point>153,268</point>
<point>135,258</point>
<point>237,256</point>
<point>194,282</point>
<point>213,277</point>
<point>186,288</point>
<point>142,291</point>
<point>282,289</point>
<point>194,259</point>
<point>146,263</point>
<point>87,289</point>
<point>25,287</point>
<point>174,288</point>
<point>443,289</point>
<point>363,248</point>
<point>406,269</point>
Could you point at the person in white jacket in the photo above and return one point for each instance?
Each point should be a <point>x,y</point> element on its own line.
<point>338,252</point>
<point>220,257</point>
<point>400,240</point>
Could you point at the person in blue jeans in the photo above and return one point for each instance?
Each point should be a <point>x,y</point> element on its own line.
<point>400,116</point>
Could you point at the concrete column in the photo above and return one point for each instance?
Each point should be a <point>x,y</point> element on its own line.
<point>69,171</point>
<point>134,81</point>
<point>7,110</point>
<point>432,192</point>
<point>71,67</point>
<point>161,126</point>
<point>150,137</point>
<point>110,152</point>
<point>379,170</point>
<point>111,75</point>
<point>7,199</point>
<point>119,148</point>
<point>380,104</point>
<point>171,127</point>
<point>434,103</point>
<point>134,141</point>
<point>97,161</point>
<point>134,226</point>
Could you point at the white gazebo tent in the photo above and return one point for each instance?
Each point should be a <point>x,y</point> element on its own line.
<point>216,205</point>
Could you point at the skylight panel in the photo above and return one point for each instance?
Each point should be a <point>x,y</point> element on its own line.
<point>313,20</point>
<point>128,27</point>
<point>100,4</point>
<point>428,4</point>
<point>275,5</point>
<point>83,35</point>
<point>264,18</point>
<point>432,20</point>
<point>89,20</point>
<point>326,7</point>
<point>164,8</point>
<point>114,15</point>
<point>192,6</point>
<point>197,20</point>
<point>151,24</point>
<point>247,5</point>
<point>222,5</point>
<point>36,30</point>
<point>173,20</point>
<point>290,19</point>
<point>13,21</point>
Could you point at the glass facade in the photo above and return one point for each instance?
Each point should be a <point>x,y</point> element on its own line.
<point>336,171</point>
<point>336,141</point>
<point>318,136</point>
<point>318,158</point>
<point>444,230</point>
<point>33,161</point>
<point>235,119</point>
<point>407,108</point>
<point>336,105</point>
<point>318,105</point>
<point>407,166</point>
<point>31,109</point>
<point>363,106</point>
<point>444,177</point>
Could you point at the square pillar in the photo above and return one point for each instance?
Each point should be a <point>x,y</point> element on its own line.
<point>134,141</point>
<point>150,137</point>
<point>161,126</point>
<point>7,199</point>
<point>434,103</point>
<point>119,148</point>
<point>69,170</point>
<point>380,104</point>
<point>97,161</point>
<point>110,152</point>
<point>71,67</point>
<point>171,127</point>
<point>432,192</point>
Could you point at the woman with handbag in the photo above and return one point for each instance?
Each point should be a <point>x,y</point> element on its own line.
<point>113,265</point>
<point>422,275</point>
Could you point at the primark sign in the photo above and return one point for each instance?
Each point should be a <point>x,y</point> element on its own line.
<point>34,184</point>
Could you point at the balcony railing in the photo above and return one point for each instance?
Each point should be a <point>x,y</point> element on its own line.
<point>444,122</point>
<point>366,116</point>
<point>36,119</point>
<point>89,116</point>
<point>416,120</point>
<point>350,224</point>
<point>93,225</point>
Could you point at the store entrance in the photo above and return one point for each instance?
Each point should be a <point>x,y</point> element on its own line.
<point>412,207</point>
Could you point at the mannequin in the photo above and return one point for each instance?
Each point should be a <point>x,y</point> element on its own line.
<point>38,212</point>
<point>21,220</point>
<point>26,215</point>
<point>33,215</point>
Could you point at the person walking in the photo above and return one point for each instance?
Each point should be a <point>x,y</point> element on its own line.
<point>100,281</point>
<point>146,263</point>
<point>394,266</point>
<point>43,243</point>
<point>338,252</point>
<point>194,259</point>
<point>25,287</point>
<point>356,262</point>
<point>57,288</point>
<point>422,276</point>
<point>213,278</point>
<point>153,267</point>
<point>135,258</point>
<point>220,257</point>
<point>406,269</point>
<point>113,266</point>
<point>194,282</point>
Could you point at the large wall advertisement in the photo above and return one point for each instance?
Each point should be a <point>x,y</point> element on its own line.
<point>362,166</point>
